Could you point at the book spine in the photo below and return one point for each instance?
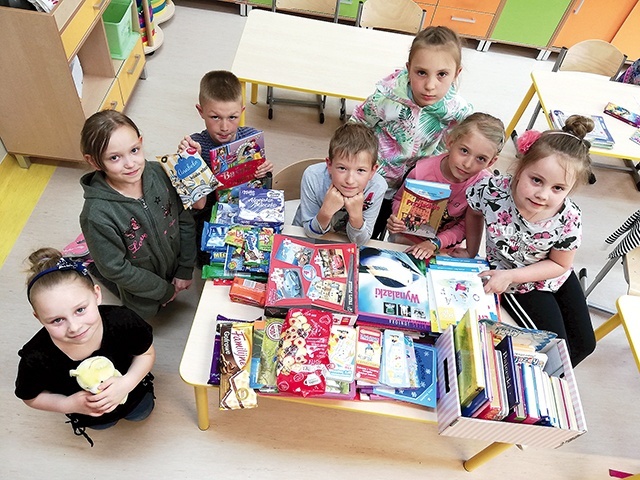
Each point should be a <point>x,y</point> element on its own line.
<point>393,322</point>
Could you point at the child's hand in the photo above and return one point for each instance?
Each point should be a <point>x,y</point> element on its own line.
<point>82,402</point>
<point>187,142</point>
<point>112,391</point>
<point>499,280</point>
<point>395,225</point>
<point>200,204</point>
<point>422,250</point>
<point>181,284</point>
<point>263,169</point>
<point>354,205</point>
<point>460,252</point>
<point>333,201</point>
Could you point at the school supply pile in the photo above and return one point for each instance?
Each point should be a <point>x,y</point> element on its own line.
<point>599,137</point>
<point>422,206</point>
<point>189,175</point>
<point>234,166</point>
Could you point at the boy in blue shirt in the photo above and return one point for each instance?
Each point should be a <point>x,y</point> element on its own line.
<point>220,106</point>
<point>345,193</point>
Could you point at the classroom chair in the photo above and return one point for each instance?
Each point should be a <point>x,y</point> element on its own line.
<point>397,15</point>
<point>315,7</point>
<point>288,179</point>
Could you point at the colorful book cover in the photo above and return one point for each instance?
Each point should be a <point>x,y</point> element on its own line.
<point>261,207</point>
<point>422,206</point>
<point>598,137</point>
<point>394,369</point>
<point>393,290</point>
<point>524,337</point>
<point>368,354</point>
<point>457,290</point>
<point>189,175</point>
<point>483,399</point>
<point>622,113</point>
<point>234,165</point>
<point>313,273</point>
<point>426,392</point>
<point>471,378</point>
<point>342,355</point>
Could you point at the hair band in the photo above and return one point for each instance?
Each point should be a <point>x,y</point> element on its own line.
<point>62,265</point>
<point>562,132</point>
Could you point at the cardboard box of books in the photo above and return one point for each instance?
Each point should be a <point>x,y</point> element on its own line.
<point>311,273</point>
<point>451,421</point>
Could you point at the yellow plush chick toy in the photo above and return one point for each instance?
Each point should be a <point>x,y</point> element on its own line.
<point>93,371</point>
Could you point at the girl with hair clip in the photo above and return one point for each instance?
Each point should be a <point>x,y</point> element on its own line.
<point>533,231</point>
<point>75,326</point>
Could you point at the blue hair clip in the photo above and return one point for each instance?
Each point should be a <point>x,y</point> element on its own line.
<point>63,264</point>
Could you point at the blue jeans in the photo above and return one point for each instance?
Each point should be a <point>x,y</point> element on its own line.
<point>142,411</point>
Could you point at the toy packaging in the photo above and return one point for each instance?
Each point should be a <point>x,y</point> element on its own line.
<point>261,206</point>
<point>303,352</point>
<point>235,367</point>
<point>368,354</point>
<point>234,166</point>
<point>314,274</point>
<point>392,290</point>
<point>189,175</point>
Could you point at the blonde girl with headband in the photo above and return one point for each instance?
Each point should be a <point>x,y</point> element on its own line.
<point>411,110</point>
<point>472,148</point>
<point>533,231</point>
<point>75,326</point>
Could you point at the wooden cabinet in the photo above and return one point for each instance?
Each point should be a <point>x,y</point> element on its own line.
<point>529,22</point>
<point>626,39</point>
<point>466,17</point>
<point>42,113</point>
<point>589,19</point>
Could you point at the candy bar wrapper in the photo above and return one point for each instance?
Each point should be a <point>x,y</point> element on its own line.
<point>268,354</point>
<point>342,354</point>
<point>248,292</point>
<point>214,374</point>
<point>303,352</point>
<point>189,175</point>
<point>235,368</point>
<point>256,353</point>
<point>368,354</point>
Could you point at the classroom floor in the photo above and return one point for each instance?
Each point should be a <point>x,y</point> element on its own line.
<point>280,439</point>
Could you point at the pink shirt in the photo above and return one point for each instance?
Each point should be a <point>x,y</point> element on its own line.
<point>452,228</point>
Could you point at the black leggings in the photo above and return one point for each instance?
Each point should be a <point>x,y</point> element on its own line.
<point>564,312</point>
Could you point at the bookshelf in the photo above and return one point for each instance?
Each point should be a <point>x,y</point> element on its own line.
<point>46,113</point>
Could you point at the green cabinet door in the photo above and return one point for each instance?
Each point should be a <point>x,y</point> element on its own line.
<point>529,22</point>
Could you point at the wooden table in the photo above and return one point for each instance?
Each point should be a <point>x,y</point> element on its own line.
<point>196,362</point>
<point>315,56</point>
<point>587,94</point>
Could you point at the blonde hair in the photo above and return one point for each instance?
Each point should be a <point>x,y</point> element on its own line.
<point>49,258</point>
<point>487,125</point>
<point>220,85</point>
<point>352,138</point>
<point>438,37</point>
<point>570,146</point>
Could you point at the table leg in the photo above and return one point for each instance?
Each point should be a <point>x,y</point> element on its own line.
<point>243,87</point>
<point>607,327</point>
<point>485,455</point>
<point>254,93</point>
<point>22,160</point>
<point>523,106</point>
<point>202,407</point>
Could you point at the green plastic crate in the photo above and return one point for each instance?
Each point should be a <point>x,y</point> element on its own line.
<point>117,23</point>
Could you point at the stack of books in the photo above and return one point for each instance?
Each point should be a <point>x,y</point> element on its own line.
<point>600,137</point>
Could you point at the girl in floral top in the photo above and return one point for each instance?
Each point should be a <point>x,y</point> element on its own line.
<point>533,231</point>
<point>412,109</point>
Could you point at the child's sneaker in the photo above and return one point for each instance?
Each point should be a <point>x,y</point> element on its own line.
<point>76,249</point>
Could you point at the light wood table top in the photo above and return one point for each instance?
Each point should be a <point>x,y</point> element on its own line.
<point>316,56</point>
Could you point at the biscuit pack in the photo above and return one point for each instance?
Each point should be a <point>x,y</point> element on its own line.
<point>235,356</point>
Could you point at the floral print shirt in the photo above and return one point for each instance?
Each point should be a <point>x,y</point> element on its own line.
<point>407,132</point>
<point>514,242</point>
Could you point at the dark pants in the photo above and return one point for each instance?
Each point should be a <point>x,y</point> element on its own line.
<point>142,411</point>
<point>380,228</point>
<point>564,312</point>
